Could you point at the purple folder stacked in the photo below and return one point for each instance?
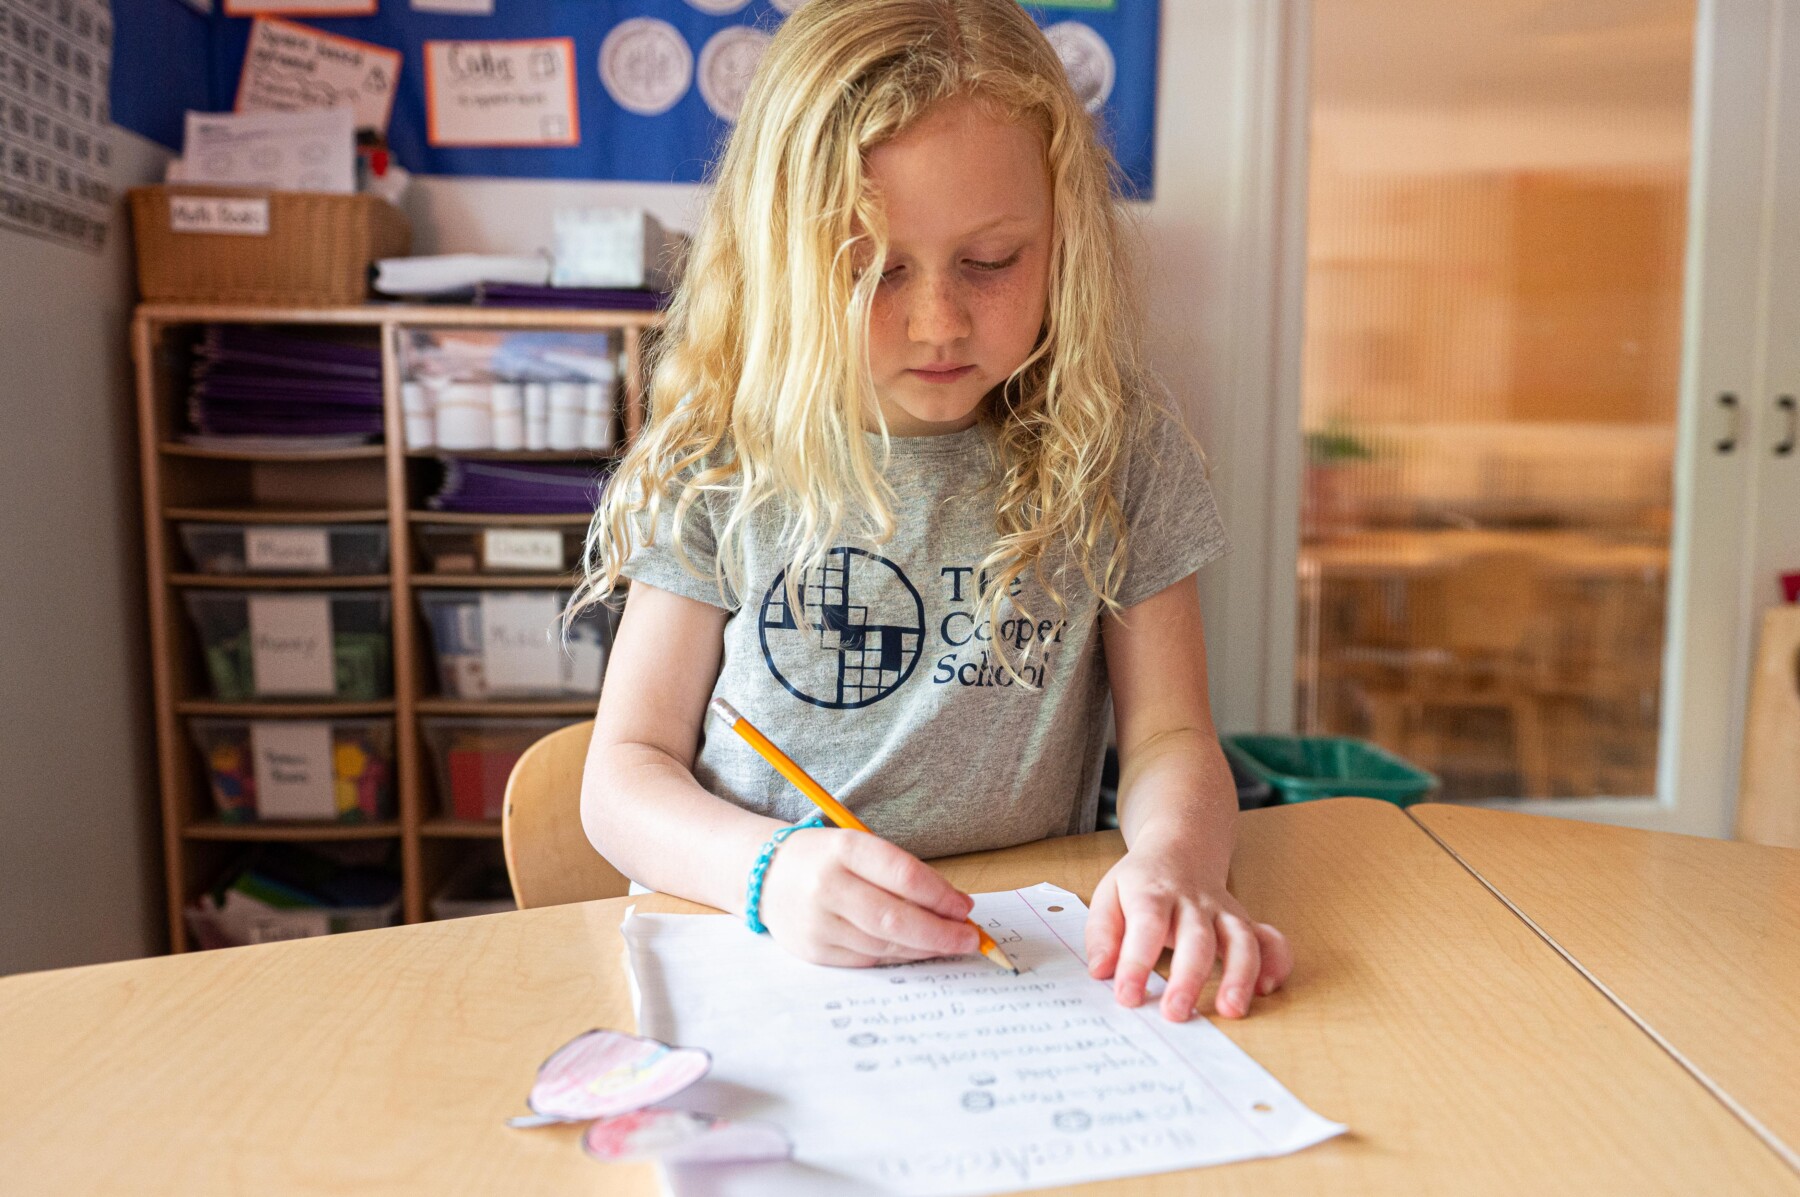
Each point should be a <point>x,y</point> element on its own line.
<point>507,488</point>
<point>261,382</point>
<point>526,295</point>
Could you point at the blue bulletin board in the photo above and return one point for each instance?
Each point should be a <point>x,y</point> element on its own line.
<point>653,103</point>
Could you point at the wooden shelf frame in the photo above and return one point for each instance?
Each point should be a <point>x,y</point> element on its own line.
<point>192,836</point>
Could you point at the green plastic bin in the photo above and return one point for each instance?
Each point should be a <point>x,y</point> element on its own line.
<point>1302,768</point>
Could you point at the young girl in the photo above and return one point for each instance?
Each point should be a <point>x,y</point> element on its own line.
<point>906,500</point>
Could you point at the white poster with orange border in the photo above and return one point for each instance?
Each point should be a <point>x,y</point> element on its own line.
<point>518,92</point>
<point>290,67</point>
<point>300,8</point>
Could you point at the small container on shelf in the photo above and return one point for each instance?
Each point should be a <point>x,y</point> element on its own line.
<point>472,758</point>
<point>509,644</point>
<point>295,891</point>
<point>285,549</point>
<point>271,770</point>
<point>327,645</point>
<point>498,549</point>
<point>479,887</point>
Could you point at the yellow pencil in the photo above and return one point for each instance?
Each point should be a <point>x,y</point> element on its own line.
<point>834,810</point>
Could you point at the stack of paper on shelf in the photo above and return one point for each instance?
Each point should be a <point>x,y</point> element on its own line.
<point>516,489</point>
<point>254,382</point>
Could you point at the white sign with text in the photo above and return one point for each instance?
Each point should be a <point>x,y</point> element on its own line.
<point>290,645</point>
<point>291,68</point>
<point>534,549</point>
<point>293,770</point>
<point>501,93</point>
<point>287,550</point>
<point>520,650</point>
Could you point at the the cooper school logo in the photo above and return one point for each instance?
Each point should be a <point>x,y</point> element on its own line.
<point>855,636</point>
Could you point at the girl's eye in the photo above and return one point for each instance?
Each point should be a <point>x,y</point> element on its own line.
<point>991,266</point>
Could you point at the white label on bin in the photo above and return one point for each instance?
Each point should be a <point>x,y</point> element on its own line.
<point>520,648</point>
<point>200,214</point>
<point>521,548</point>
<point>287,550</point>
<point>290,644</point>
<point>293,770</point>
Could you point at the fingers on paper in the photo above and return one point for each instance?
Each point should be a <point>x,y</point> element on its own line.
<point>1105,928</point>
<point>1242,953</point>
<point>904,875</point>
<point>1190,965</point>
<point>1148,915</point>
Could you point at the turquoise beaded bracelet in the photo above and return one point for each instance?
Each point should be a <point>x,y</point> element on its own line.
<point>753,902</point>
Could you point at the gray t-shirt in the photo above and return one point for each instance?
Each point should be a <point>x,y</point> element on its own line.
<point>879,682</point>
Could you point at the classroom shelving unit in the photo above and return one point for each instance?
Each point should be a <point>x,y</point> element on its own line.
<point>370,484</point>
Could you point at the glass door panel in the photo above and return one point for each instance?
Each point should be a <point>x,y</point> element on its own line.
<point>1492,360</point>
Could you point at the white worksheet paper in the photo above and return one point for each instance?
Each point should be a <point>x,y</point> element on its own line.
<point>948,1076</point>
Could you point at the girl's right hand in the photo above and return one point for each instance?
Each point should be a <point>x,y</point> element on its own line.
<point>849,898</point>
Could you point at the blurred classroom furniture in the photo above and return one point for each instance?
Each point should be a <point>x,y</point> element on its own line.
<point>417,537</point>
<point>1462,1050</point>
<point>1769,795</point>
<point>548,857</point>
<point>1698,939</point>
<point>1510,663</point>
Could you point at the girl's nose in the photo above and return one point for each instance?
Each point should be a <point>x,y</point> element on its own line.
<point>938,315</point>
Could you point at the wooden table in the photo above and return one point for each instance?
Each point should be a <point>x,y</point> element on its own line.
<point>1466,1054</point>
<point>1696,939</point>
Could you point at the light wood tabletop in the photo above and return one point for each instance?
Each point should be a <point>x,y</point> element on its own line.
<point>1698,939</point>
<point>1465,1054</point>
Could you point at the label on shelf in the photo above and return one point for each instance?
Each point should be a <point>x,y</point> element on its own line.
<point>520,649</point>
<point>287,550</point>
<point>203,214</point>
<point>293,770</point>
<point>290,644</point>
<point>533,549</point>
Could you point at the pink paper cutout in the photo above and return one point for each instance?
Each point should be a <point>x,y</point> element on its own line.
<point>606,1073</point>
<point>684,1137</point>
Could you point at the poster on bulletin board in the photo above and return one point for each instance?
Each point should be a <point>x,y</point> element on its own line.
<point>651,86</point>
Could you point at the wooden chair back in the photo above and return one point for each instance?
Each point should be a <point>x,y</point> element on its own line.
<point>548,857</point>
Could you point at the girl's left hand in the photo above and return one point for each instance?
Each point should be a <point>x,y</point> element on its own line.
<point>1154,899</point>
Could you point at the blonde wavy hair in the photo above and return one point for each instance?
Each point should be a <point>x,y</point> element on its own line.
<point>761,383</point>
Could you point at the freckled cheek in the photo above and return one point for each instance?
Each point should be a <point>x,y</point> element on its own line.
<point>1008,314</point>
<point>887,335</point>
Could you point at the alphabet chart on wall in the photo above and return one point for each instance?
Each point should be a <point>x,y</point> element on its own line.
<point>55,151</point>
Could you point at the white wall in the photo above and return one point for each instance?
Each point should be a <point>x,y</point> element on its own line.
<point>1199,256</point>
<point>79,863</point>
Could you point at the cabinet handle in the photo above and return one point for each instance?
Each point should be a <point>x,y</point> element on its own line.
<point>1785,404</point>
<point>1728,443</point>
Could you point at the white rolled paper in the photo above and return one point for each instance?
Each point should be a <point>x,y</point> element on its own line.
<point>508,401</point>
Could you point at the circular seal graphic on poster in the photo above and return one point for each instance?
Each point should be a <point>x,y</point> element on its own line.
<point>718,8</point>
<point>726,64</point>
<point>646,65</point>
<point>1086,59</point>
<point>852,637</point>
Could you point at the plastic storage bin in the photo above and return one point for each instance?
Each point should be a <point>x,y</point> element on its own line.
<point>233,924</point>
<point>472,758</point>
<point>463,549</point>
<point>477,889</point>
<point>283,549</point>
<point>356,786</point>
<point>293,891</point>
<point>1302,768</point>
<point>286,662</point>
<point>508,644</point>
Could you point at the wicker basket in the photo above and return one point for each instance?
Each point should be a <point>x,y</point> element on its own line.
<point>315,252</point>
